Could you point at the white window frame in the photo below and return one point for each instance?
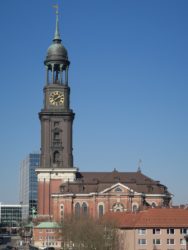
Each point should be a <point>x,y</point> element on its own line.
<point>155,241</point>
<point>156,231</point>
<point>182,242</point>
<point>82,212</point>
<point>169,241</point>
<point>140,242</point>
<point>142,231</point>
<point>169,229</point>
<point>183,229</point>
<point>135,205</point>
<point>80,209</point>
<point>100,204</point>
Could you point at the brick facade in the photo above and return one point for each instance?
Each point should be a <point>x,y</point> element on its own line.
<point>117,197</point>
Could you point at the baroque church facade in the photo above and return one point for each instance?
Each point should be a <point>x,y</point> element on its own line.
<point>62,188</point>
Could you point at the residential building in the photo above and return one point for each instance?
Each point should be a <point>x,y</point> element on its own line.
<point>28,184</point>
<point>154,228</point>
<point>46,235</point>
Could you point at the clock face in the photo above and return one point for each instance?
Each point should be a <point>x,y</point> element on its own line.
<point>56,98</point>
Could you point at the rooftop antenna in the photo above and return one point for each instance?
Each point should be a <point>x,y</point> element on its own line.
<point>139,166</point>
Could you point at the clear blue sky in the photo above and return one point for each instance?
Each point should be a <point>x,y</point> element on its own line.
<point>129,86</point>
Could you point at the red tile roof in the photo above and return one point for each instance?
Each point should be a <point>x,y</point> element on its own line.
<point>151,218</point>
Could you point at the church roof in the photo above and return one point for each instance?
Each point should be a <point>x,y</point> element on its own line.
<point>92,182</point>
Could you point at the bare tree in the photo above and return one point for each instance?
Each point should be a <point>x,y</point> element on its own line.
<point>87,233</point>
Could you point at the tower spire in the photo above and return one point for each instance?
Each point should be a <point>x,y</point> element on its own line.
<point>57,34</point>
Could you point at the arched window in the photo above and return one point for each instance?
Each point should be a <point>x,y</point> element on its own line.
<point>135,207</point>
<point>77,210</point>
<point>101,210</point>
<point>84,209</point>
<point>153,204</point>
<point>56,135</point>
<point>61,212</point>
<point>56,157</point>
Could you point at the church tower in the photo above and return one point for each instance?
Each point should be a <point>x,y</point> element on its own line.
<point>56,117</point>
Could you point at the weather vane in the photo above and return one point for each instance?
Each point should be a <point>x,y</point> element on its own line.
<point>56,6</point>
<point>57,35</point>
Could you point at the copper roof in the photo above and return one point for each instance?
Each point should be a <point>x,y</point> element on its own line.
<point>47,224</point>
<point>95,182</point>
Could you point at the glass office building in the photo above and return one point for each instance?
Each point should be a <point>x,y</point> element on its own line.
<point>28,184</point>
<point>10,215</point>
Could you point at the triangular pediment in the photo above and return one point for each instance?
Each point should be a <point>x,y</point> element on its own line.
<point>118,188</point>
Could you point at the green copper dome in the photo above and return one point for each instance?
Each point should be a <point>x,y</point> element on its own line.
<point>57,53</point>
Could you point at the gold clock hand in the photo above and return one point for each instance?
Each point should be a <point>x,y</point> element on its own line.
<point>58,97</point>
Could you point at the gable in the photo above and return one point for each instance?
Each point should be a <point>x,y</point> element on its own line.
<point>118,188</point>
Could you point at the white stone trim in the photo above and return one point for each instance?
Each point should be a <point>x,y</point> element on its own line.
<point>65,174</point>
<point>153,202</point>
<point>85,203</point>
<point>116,185</point>
<point>56,170</point>
<point>76,203</point>
<point>155,195</point>
<point>62,195</point>
<point>135,204</point>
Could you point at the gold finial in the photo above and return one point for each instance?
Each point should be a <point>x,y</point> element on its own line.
<point>56,6</point>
